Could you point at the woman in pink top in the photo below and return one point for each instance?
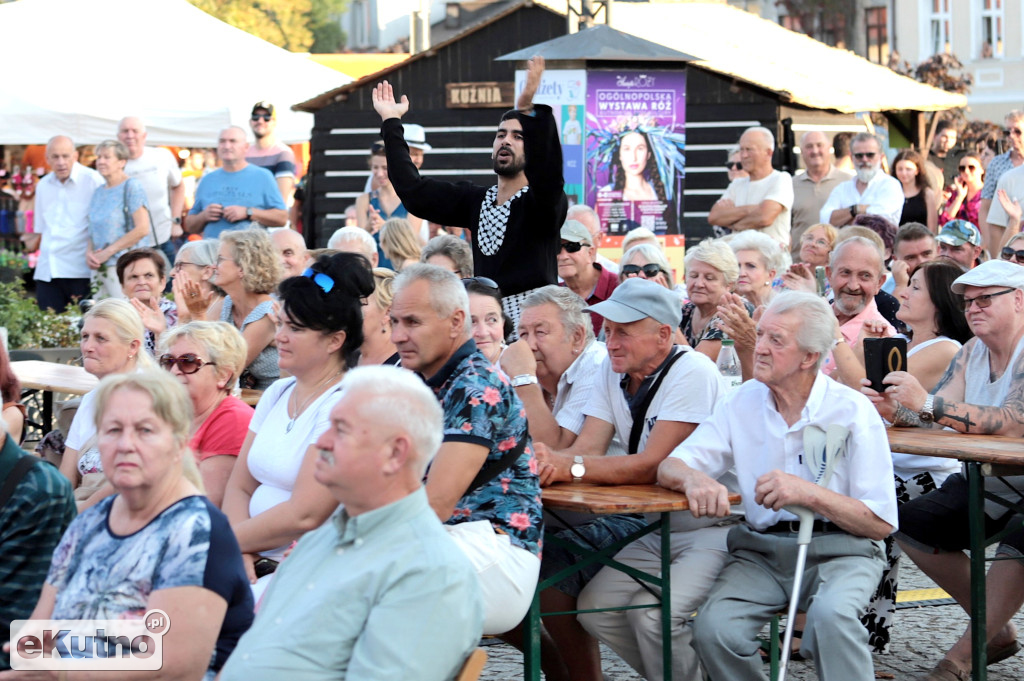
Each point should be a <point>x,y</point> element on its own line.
<point>207,358</point>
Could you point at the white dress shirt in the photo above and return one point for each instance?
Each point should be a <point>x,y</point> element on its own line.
<point>883,196</point>
<point>747,431</point>
<point>61,218</point>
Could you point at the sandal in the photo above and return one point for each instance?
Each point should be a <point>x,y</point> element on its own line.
<point>947,671</point>
<point>995,655</point>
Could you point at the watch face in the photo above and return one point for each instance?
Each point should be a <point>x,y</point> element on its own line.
<point>926,416</point>
<point>577,470</point>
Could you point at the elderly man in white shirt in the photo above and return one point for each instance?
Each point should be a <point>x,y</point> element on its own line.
<point>871,191</point>
<point>759,429</point>
<point>61,210</point>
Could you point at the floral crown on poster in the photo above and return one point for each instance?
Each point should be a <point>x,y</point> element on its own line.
<point>666,145</point>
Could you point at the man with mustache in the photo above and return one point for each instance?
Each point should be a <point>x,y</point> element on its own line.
<point>872,191</point>
<point>516,222</point>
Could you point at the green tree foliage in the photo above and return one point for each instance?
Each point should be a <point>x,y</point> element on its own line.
<point>295,25</point>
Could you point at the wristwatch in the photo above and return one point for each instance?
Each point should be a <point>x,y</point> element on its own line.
<point>577,469</point>
<point>927,413</point>
<point>523,379</point>
<point>248,213</point>
<point>176,220</point>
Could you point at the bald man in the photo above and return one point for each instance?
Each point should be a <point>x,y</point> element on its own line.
<point>291,248</point>
<point>812,187</point>
<point>237,194</point>
<point>158,171</point>
<point>61,224</point>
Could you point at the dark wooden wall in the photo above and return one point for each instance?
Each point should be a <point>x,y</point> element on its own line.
<point>461,138</point>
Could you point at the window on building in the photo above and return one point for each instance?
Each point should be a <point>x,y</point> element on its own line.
<point>827,26</point>
<point>991,28</point>
<point>877,25</point>
<point>941,26</point>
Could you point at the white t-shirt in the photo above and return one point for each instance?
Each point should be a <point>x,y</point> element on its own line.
<point>1012,182</point>
<point>157,170</point>
<point>83,432</point>
<point>575,387</point>
<point>777,187</point>
<point>276,453</point>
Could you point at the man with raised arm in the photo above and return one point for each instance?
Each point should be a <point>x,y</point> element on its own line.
<point>760,429</point>
<point>515,223</point>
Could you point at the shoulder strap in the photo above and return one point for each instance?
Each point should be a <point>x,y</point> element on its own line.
<point>20,470</point>
<point>640,410</point>
<point>495,468</point>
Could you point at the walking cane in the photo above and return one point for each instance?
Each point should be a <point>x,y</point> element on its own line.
<point>821,451</point>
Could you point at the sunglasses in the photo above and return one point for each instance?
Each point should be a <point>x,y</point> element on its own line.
<point>571,247</point>
<point>963,168</point>
<point>325,283</point>
<point>985,300</point>
<point>650,270</point>
<point>865,155</point>
<point>262,117</point>
<point>734,165</point>
<point>188,363</point>
<point>1010,254</point>
<point>483,281</point>
<point>1014,132</point>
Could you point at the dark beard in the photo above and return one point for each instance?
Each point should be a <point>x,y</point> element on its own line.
<point>511,170</point>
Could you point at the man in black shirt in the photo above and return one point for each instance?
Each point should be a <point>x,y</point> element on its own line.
<point>515,223</point>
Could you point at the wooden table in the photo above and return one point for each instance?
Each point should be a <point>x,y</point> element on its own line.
<point>608,500</point>
<point>51,378</point>
<point>983,455</point>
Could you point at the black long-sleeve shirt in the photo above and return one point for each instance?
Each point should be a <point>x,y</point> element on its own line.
<point>526,258</point>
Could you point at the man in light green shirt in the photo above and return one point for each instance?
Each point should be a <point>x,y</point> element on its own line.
<point>380,591</point>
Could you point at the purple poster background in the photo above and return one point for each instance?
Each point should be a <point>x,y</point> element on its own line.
<point>636,133</point>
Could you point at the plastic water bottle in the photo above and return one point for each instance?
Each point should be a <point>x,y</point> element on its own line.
<point>729,366</point>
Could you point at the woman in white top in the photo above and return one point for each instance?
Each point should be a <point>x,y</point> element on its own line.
<point>112,343</point>
<point>271,497</point>
<point>939,328</point>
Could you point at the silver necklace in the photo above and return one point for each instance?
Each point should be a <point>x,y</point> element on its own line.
<point>298,411</point>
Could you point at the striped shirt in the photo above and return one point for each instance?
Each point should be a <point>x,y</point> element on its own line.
<point>31,524</point>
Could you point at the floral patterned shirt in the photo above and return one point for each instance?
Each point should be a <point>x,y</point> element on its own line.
<point>481,407</point>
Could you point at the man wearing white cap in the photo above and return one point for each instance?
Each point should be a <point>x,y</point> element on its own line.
<point>981,392</point>
<point>652,394</point>
<point>580,271</point>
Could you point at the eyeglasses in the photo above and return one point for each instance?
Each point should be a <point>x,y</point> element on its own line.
<point>650,270</point>
<point>325,283</point>
<point>179,265</point>
<point>483,281</point>
<point>968,167</point>
<point>571,247</point>
<point>734,165</point>
<point>1010,254</point>
<point>221,258</point>
<point>985,300</point>
<point>865,155</point>
<point>1014,132</point>
<point>817,242</point>
<point>263,117</point>
<point>188,363</point>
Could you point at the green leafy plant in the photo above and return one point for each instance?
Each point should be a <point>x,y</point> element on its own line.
<point>30,327</point>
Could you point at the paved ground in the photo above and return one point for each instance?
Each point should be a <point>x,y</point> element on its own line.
<point>919,638</point>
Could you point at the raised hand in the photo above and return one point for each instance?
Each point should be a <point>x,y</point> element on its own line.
<point>152,317</point>
<point>534,71</point>
<point>1011,206</point>
<point>384,103</point>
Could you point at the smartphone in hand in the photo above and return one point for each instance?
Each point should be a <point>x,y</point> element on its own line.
<point>883,356</point>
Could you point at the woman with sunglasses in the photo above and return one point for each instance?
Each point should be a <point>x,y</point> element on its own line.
<point>647,262</point>
<point>207,358</point>
<point>272,498</point>
<point>248,270</point>
<point>490,325</point>
<point>1014,249</point>
<point>920,202</point>
<point>966,197</point>
<point>195,294</point>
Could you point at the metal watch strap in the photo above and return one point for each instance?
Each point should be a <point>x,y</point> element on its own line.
<point>927,413</point>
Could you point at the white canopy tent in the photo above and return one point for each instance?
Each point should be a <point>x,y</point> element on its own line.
<point>76,67</point>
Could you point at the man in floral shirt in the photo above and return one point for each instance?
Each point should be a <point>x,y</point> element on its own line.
<point>483,483</point>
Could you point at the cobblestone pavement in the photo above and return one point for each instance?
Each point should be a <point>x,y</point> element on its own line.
<point>920,636</point>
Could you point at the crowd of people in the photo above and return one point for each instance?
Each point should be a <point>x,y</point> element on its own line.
<point>380,508</point>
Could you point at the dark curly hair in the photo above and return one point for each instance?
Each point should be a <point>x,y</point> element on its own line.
<point>650,169</point>
<point>341,308</point>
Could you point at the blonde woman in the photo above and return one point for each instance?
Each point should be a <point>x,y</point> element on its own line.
<point>248,270</point>
<point>399,243</point>
<point>377,347</point>
<point>112,342</point>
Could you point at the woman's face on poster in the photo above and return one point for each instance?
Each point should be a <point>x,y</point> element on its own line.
<point>633,153</point>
